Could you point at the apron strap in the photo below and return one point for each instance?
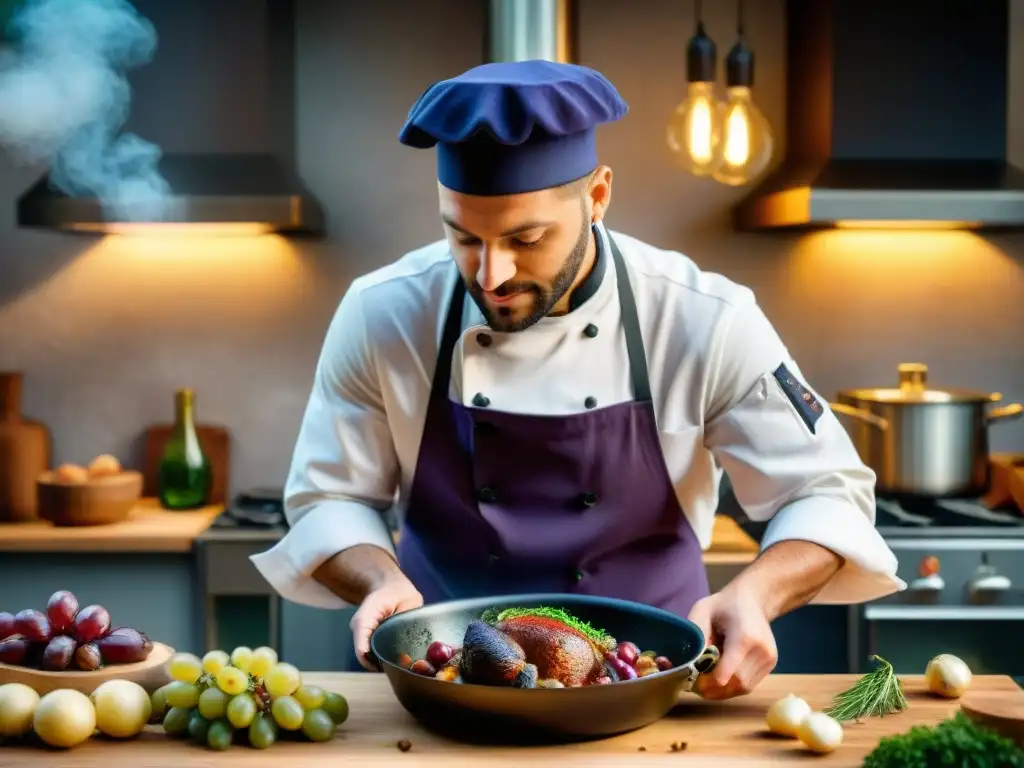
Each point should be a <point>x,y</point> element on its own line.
<point>449,338</point>
<point>630,328</point>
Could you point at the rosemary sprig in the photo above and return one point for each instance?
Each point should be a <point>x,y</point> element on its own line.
<point>878,693</point>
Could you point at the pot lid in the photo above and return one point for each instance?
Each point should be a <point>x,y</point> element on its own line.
<point>913,388</point>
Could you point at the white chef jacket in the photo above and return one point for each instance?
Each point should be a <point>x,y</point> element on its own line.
<point>711,354</point>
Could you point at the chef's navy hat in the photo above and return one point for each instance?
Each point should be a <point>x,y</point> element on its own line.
<point>506,128</point>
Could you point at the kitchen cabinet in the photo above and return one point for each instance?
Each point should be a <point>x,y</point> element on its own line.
<point>192,586</point>
<point>142,570</point>
<point>157,593</point>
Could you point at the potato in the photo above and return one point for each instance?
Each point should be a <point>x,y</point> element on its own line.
<point>104,466</point>
<point>71,474</point>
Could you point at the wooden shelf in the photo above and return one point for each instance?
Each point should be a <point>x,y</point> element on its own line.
<point>149,528</point>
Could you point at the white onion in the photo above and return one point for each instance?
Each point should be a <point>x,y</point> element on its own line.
<point>786,714</point>
<point>18,704</point>
<point>820,732</point>
<point>947,675</point>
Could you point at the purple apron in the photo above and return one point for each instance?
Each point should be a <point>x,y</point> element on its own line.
<point>504,503</point>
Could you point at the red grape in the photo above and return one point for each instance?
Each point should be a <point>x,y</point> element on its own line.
<point>32,625</point>
<point>628,652</point>
<point>602,680</point>
<point>423,667</point>
<point>122,649</point>
<point>439,653</point>
<point>87,657</point>
<point>61,609</point>
<point>139,637</point>
<point>92,622</point>
<point>13,650</point>
<point>58,653</point>
<point>663,663</point>
<point>623,670</point>
<point>6,625</point>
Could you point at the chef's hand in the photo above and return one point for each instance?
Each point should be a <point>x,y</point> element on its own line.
<point>393,595</point>
<point>734,621</point>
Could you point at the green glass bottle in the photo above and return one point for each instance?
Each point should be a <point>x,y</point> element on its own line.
<point>184,477</point>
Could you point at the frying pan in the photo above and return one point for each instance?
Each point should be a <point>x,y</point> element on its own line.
<point>491,714</point>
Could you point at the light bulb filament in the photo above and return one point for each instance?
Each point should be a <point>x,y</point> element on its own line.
<point>698,133</point>
<point>737,136</point>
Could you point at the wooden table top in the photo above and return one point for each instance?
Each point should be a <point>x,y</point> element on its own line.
<point>149,528</point>
<point>729,733</point>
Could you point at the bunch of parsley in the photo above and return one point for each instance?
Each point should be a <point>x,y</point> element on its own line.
<point>954,742</point>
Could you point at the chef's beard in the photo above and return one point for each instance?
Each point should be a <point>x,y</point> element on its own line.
<point>544,299</point>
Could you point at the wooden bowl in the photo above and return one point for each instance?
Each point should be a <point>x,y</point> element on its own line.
<point>97,501</point>
<point>150,674</point>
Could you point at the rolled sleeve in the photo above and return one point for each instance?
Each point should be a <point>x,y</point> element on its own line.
<point>799,473</point>
<point>344,469</point>
<point>870,568</point>
<point>327,528</point>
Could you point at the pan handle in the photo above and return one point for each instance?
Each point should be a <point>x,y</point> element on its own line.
<point>1012,411</point>
<point>707,660</point>
<point>861,415</point>
<point>704,664</point>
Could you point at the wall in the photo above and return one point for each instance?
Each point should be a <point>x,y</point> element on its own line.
<point>105,330</point>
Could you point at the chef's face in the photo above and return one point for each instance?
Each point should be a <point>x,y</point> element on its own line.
<point>521,255</point>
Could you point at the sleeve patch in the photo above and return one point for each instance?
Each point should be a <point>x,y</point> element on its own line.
<point>805,403</point>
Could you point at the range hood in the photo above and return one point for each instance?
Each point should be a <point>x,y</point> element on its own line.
<point>896,118</point>
<point>519,30</point>
<point>245,193</point>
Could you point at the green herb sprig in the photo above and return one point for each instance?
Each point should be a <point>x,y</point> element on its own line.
<point>952,743</point>
<point>599,636</point>
<point>878,693</point>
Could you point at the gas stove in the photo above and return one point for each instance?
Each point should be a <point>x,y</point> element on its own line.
<point>960,560</point>
<point>946,518</point>
<point>964,568</point>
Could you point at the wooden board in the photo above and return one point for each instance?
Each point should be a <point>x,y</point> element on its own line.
<point>730,545</point>
<point>995,712</point>
<point>1017,486</point>
<point>150,674</point>
<point>149,528</point>
<point>729,733</point>
<point>1006,482</point>
<point>216,444</point>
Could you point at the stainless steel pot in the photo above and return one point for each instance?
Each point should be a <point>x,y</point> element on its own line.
<point>924,441</point>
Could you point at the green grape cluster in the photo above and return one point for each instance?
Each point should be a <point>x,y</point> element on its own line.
<point>247,696</point>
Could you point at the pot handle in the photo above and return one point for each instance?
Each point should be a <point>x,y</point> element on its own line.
<point>704,664</point>
<point>861,415</point>
<point>1012,411</point>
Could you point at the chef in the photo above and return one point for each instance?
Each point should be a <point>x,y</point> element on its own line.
<point>553,404</point>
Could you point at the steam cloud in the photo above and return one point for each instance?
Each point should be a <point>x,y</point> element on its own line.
<point>64,99</point>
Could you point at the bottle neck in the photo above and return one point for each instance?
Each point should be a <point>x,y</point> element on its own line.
<point>184,412</point>
<point>10,396</point>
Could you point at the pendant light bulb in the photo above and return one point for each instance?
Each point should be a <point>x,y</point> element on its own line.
<point>695,127</point>
<point>747,139</point>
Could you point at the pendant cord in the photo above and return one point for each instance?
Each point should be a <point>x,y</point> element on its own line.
<point>739,19</point>
<point>698,15</point>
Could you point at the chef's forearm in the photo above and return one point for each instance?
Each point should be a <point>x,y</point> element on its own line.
<point>788,575</point>
<point>355,572</point>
